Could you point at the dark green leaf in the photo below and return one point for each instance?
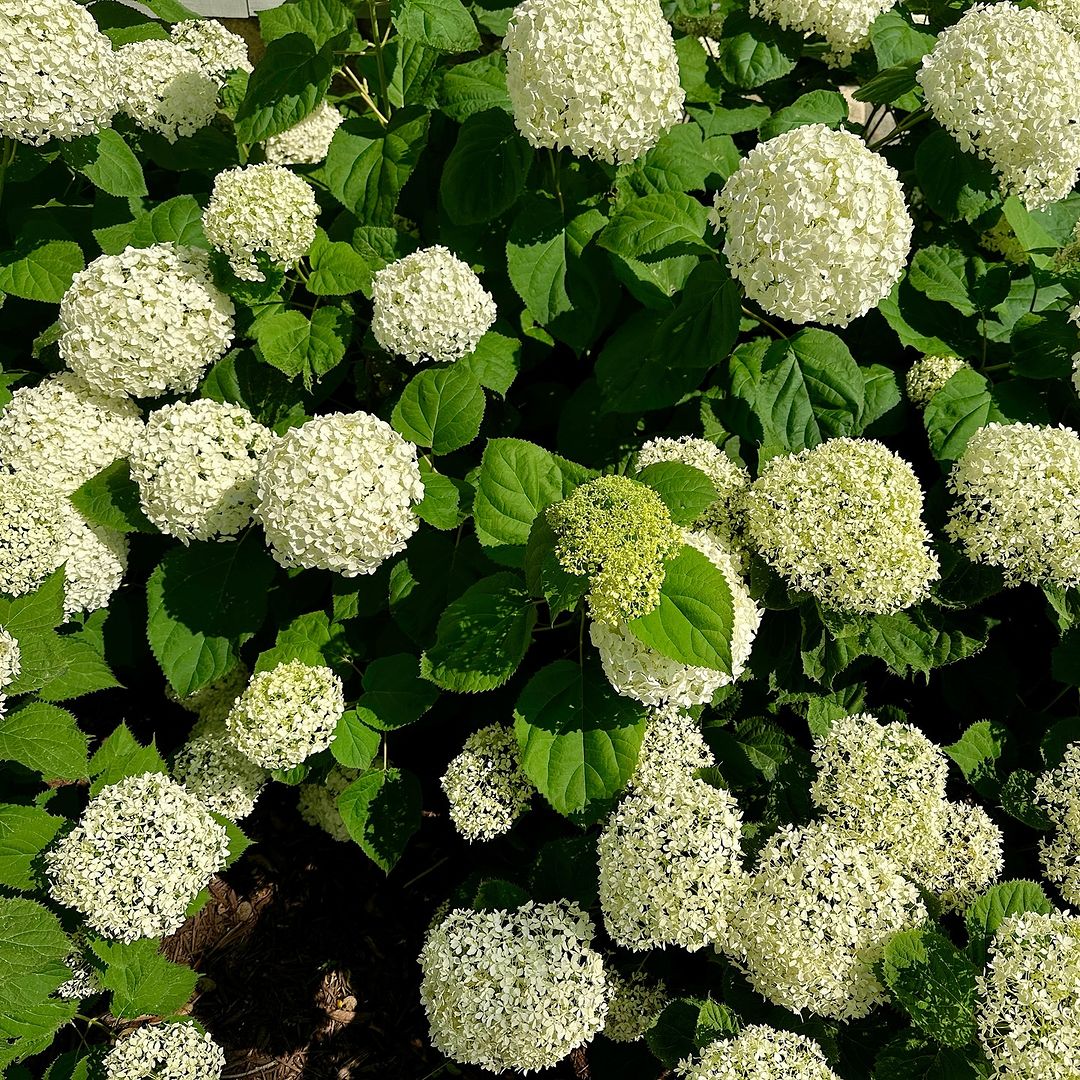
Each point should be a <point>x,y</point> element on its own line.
<point>657,227</point>
<point>142,981</point>
<point>817,107</point>
<point>40,270</point>
<point>120,756</point>
<point>977,752</point>
<point>442,408</point>
<point>474,86</point>
<point>320,20</point>
<point>688,1024</point>
<point>753,52</point>
<point>686,491</point>
<point>996,905</point>
<point>107,162</point>
<point>297,345</point>
<point>440,24</point>
<point>25,832</point>
<point>381,810</point>
<point>355,744</point>
<point>45,739</point>
<point>111,499</point>
<point>485,173</point>
<point>394,694</point>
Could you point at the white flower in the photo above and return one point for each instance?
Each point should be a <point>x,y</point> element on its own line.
<point>260,209</point>
<point>195,465</point>
<point>60,75</point>
<point>1074,317</point>
<point>166,89</point>
<point>759,1052</point>
<point>844,24</point>
<point>843,522</point>
<point>141,852</point>
<point>338,492</point>
<point>209,766</point>
<point>928,375</point>
<point>1028,1005</point>
<point>213,703</point>
<point>95,561</point>
<point>1002,81</point>
<point>966,862</point>
<point>176,1051</point>
<point>10,659</point>
<point>796,202</point>
<point>287,714</point>
<point>672,748</point>
<point>484,784</point>
<point>145,322</point>
<point>634,1003</point>
<point>1065,12</point>
<point>219,51</point>
<point>318,806</point>
<point>598,76</point>
<point>513,989</point>
<point>1017,489</point>
<point>816,918</point>
<point>83,982</point>
<point>33,530</point>
<point>307,142</point>
<point>1058,793</point>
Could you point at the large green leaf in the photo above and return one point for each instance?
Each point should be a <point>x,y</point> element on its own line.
<point>686,491</point>
<point>816,107</point>
<point>445,25</point>
<point>107,162</point>
<point>320,20</point>
<point>753,52</point>
<point>976,753</point>
<point>962,406</point>
<point>997,904</point>
<point>442,408</point>
<point>394,694</point>
<point>122,755</point>
<point>337,268</point>
<point>485,173</point>
<point>297,345</point>
<point>40,270</point>
<point>688,1024</point>
<point>25,832</point>
<point>44,738</point>
<point>381,810</point>
<point>657,227</point>
<point>111,499</point>
<point>473,87</point>
<point>142,981</point>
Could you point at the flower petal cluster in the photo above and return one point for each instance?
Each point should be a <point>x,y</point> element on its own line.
<point>430,305</point>
<point>287,714</point>
<point>672,748</point>
<point>1065,12</point>
<point>815,920</point>
<point>318,806</point>
<point>619,533</point>
<point>1058,793</point>
<point>260,209</point>
<point>928,375</point>
<point>214,702</point>
<point>141,852</point>
<point>844,25</point>
<point>759,1052</point>
<point>1002,81</point>
<point>634,1003</point>
<point>219,51</point>
<point>797,200</point>
<point>338,493</point>
<point>598,76</point>
<point>60,74</point>
<point>1017,489</point>
<point>513,989</point>
<point>166,88</point>
<point>10,659</point>
<point>145,322</point>
<point>485,785</point>
<point>308,142</point>
<point>32,533</point>
<point>1074,317</point>
<point>95,561</point>
<point>176,1051</point>
<point>843,522</point>
<point>1028,1004</point>
<point>195,465</point>
<point>83,982</point>
<point>209,766</point>
<point>967,860</point>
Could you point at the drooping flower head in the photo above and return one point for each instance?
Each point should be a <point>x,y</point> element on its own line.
<point>928,375</point>
<point>759,1052</point>
<point>177,1051</point>
<point>166,88</point>
<point>307,142</point>
<point>219,51</point>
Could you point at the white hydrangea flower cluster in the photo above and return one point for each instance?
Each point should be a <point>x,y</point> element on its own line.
<point>1028,1005</point>
<point>928,375</point>
<point>1002,81</point>
<point>308,142</point>
<point>967,860</point>
<point>1074,317</point>
<point>318,806</point>
<point>213,703</point>
<point>816,918</point>
<point>598,76</point>
<point>178,1051</point>
<point>64,431</point>
<point>209,766</point>
<point>219,51</point>
<point>83,981</point>
<point>1017,489</point>
<point>141,852</point>
<point>484,784</point>
<point>32,533</point>
<point>843,522</point>
<point>430,305</point>
<point>634,1003</point>
<point>642,673</point>
<point>95,561</point>
<point>166,88</point>
<point>60,74</point>
<point>1065,12</point>
<point>145,322</point>
<point>672,748</point>
<point>759,1052</point>
<point>287,714</point>
<point>513,989</point>
<point>797,200</point>
<point>338,492</point>
<point>1057,791</point>
<point>195,465</point>
<point>10,662</point>
<point>844,25</point>
<point>260,209</point>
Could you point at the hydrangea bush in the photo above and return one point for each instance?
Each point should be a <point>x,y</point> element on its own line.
<point>622,451</point>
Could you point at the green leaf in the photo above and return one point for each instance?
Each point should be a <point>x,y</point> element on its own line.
<point>657,227</point>
<point>958,186</point>
<point>442,408</point>
<point>242,379</point>
<point>940,273</point>
<point>579,738</point>
<point>176,221</point>
<point>85,670</point>
<point>25,832</point>
<point>142,981</point>
<point>394,694</point>
<point>122,755</point>
<point>996,905</point>
<point>475,86</point>
<point>912,1057</point>
<point>494,362</point>
<point>107,162</point>
<point>312,638</point>
<point>320,20</point>
<point>545,575</point>
<point>445,25</point>
<point>688,1024</point>
<point>355,744</point>
<point>482,636</point>
<point>445,504</point>
<point>170,11</point>
<point>40,270</point>
<point>924,637</point>
<point>976,752</point>
<point>297,345</point>
<point>683,160</point>
<point>704,326</point>
<point>962,406</point>
<point>565,868</point>
<point>1018,800</point>
<point>337,268</point>
<point>381,810</point>
<point>817,107</point>
<point>895,40</point>
<point>45,739</point>
<point>111,499</point>
<point>753,52</point>
<point>485,173</point>
<point>889,85</point>
<point>693,622</point>
<point>686,491</point>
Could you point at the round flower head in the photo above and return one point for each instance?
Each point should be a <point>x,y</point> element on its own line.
<point>166,89</point>
<point>513,989</point>
<point>10,659</point>
<point>966,861</point>
<point>1017,489</point>
<point>214,702</point>
<point>286,714</point>
<point>63,431</point>
<point>797,200</point>
<point>484,784</point>
<point>60,74</point>
<point>33,530</point>
<point>1028,1005</point>
<point>95,561</point>
<point>338,493</point>
<point>928,375</point>
<point>634,1003</point>
<point>672,748</point>
<point>844,24</point>
<point>843,523</point>
<point>318,806</point>
<point>759,1052</point>
<point>598,76</point>
<point>1002,81</point>
<point>145,322</point>
<point>141,852</point>
<point>308,142</point>
<point>1065,12</point>
<point>671,867</point>
<point>219,51</point>
<point>430,305</point>
<point>165,1052</point>
<point>195,465</point>
<point>1058,793</point>
<point>209,766</point>
<point>816,918</point>
<point>260,209</point>
<point>619,533</point>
